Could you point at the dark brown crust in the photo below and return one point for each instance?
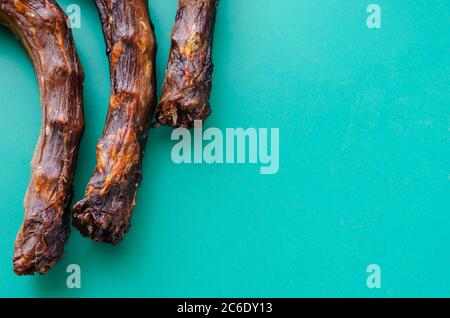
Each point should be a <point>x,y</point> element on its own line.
<point>41,26</point>
<point>104,213</point>
<point>187,85</point>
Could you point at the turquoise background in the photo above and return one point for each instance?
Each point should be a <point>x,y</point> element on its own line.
<point>364,119</point>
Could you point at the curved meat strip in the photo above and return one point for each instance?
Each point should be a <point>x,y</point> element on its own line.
<point>104,213</point>
<point>187,86</point>
<point>41,26</point>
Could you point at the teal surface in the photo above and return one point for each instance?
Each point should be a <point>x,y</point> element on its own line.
<point>364,119</point>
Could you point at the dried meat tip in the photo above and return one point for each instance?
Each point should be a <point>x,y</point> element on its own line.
<point>187,85</point>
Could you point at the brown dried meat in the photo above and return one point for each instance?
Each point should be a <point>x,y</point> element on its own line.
<point>42,28</point>
<point>187,86</point>
<point>104,213</point>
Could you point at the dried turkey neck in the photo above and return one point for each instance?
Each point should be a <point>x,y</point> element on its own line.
<point>104,213</point>
<point>187,85</point>
<point>41,26</point>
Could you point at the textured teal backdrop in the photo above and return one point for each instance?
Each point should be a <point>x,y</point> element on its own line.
<point>364,119</point>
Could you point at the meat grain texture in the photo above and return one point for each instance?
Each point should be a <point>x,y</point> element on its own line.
<point>41,26</point>
<point>104,213</point>
<point>188,82</point>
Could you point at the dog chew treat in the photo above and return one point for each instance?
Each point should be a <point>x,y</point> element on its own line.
<point>104,213</point>
<point>187,86</point>
<point>41,26</point>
